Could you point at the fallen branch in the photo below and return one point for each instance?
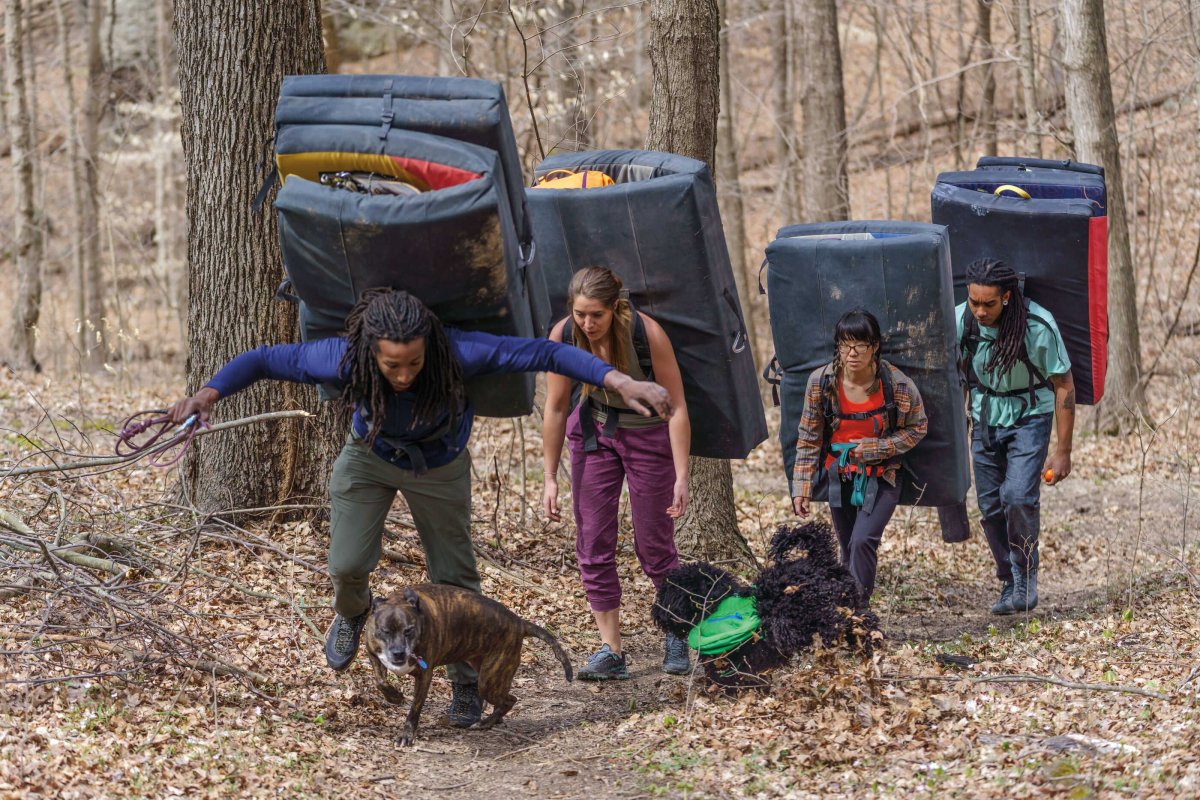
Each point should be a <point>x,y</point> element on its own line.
<point>78,559</point>
<point>1091,687</point>
<point>111,460</point>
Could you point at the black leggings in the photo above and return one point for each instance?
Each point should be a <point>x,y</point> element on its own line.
<point>859,532</point>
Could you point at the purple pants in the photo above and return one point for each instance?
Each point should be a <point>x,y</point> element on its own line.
<point>643,457</point>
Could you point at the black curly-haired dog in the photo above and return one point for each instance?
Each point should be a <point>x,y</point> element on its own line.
<point>804,593</point>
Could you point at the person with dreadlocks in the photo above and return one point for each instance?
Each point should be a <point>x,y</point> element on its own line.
<point>611,447</point>
<point>861,414</point>
<point>1019,379</point>
<point>401,376</point>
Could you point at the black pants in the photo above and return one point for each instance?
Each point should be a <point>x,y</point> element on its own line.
<point>860,532</point>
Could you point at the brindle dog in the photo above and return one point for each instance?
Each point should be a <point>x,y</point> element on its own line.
<point>425,626</point>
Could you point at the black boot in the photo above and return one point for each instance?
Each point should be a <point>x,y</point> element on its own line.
<point>1025,594</point>
<point>1004,606</point>
<point>466,706</point>
<point>341,642</point>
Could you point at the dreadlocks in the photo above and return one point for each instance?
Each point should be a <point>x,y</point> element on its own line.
<point>1010,339</point>
<point>397,316</point>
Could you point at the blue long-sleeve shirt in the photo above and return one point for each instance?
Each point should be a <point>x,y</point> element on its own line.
<point>477,353</point>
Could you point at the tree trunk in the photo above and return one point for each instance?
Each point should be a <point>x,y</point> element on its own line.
<point>27,308</point>
<point>987,101</point>
<point>1033,120</point>
<point>1094,124</point>
<point>684,58</point>
<point>73,165</point>
<point>784,96</point>
<point>823,108</point>
<point>92,109</point>
<point>729,189</point>
<point>231,63</point>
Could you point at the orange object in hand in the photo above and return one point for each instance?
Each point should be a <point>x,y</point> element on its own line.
<point>1048,475</point>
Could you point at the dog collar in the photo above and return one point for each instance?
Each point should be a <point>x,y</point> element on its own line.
<point>420,662</point>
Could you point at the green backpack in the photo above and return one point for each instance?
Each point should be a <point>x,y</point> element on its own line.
<point>734,621</point>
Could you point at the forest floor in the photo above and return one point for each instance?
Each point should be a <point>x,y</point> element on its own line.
<point>200,673</point>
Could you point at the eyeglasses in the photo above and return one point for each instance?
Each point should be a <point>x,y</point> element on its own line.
<point>854,348</point>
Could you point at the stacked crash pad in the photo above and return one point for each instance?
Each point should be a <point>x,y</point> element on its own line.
<point>461,242</point>
<point>1048,220</point>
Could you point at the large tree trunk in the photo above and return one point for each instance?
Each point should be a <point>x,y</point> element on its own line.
<point>1094,125</point>
<point>729,189</point>
<point>684,52</point>
<point>231,63</point>
<point>823,109</point>
<point>27,308</point>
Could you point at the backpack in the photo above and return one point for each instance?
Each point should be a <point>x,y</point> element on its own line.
<point>587,423</point>
<point>572,179</point>
<point>969,344</point>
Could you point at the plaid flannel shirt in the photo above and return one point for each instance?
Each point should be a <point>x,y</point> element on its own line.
<point>911,425</point>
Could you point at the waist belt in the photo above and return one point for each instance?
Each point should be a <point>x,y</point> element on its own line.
<point>587,423</point>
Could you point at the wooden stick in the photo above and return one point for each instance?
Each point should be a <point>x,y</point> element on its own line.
<point>110,460</point>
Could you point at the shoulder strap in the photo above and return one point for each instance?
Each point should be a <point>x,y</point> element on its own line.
<point>889,399</point>
<point>641,344</point>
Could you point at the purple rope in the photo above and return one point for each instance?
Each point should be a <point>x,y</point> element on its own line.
<point>159,425</point>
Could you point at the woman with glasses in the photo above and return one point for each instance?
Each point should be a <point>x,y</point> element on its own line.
<point>861,415</point>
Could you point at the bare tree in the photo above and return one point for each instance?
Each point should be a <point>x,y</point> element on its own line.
<point>92,109</point>
<point>987,101</point>
<point>729,189</point>
<point>823,110</point>
<point>1094,125</point>
<point>231,64</point>
<point>28,301</point>
<point>76,191</point>
<point>1025,40</point>
<point>684,52</point>
<point>784,97</point>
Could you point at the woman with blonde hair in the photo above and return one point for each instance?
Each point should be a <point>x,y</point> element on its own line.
<point>611,445</point>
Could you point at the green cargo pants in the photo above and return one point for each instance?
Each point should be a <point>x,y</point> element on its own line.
<point>361,492</point>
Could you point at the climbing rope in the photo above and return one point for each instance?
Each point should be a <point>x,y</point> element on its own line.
<point>156,423</point>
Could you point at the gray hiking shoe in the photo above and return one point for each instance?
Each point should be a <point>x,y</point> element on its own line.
<point>604,665</point>
<point>466,706</point>
<point>676,659</point>
<point>1004,606</point>
<point>341,642</point>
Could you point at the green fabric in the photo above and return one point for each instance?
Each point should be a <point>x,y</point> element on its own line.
<point>361,491</point>
<point>1047,352</point>
<point>734,621</point>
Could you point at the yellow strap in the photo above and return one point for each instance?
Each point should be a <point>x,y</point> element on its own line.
<point>1008,187</point>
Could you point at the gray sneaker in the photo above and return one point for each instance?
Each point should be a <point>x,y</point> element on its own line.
<point>676,659</point>
<point>604,665</point>
<point>466,706</point>
<point>1004,606</point>
<point>341,642</point>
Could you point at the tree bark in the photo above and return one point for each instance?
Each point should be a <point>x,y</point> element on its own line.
<point>684,58</point>
<point>987,100</point>
<point>27,308</point>
<point>823,109</point>
<point>231,63</point>
<point>75,190</point>
<point>1094,125</point>
<point>1025,40</point>
<point>784,97</point>
<point>729,188</point>
<point>92,109</point>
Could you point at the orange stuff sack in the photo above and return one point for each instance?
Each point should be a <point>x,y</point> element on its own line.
<point>570,179</point>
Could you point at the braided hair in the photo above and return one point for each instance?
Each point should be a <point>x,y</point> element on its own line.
<point>1010,339</point>
<point>856,325</point>
<point>397,316</point>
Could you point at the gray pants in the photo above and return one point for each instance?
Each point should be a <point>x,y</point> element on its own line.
<point>361,492</point>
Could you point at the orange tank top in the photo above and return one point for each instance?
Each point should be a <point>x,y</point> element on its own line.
<point>849,430</point>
